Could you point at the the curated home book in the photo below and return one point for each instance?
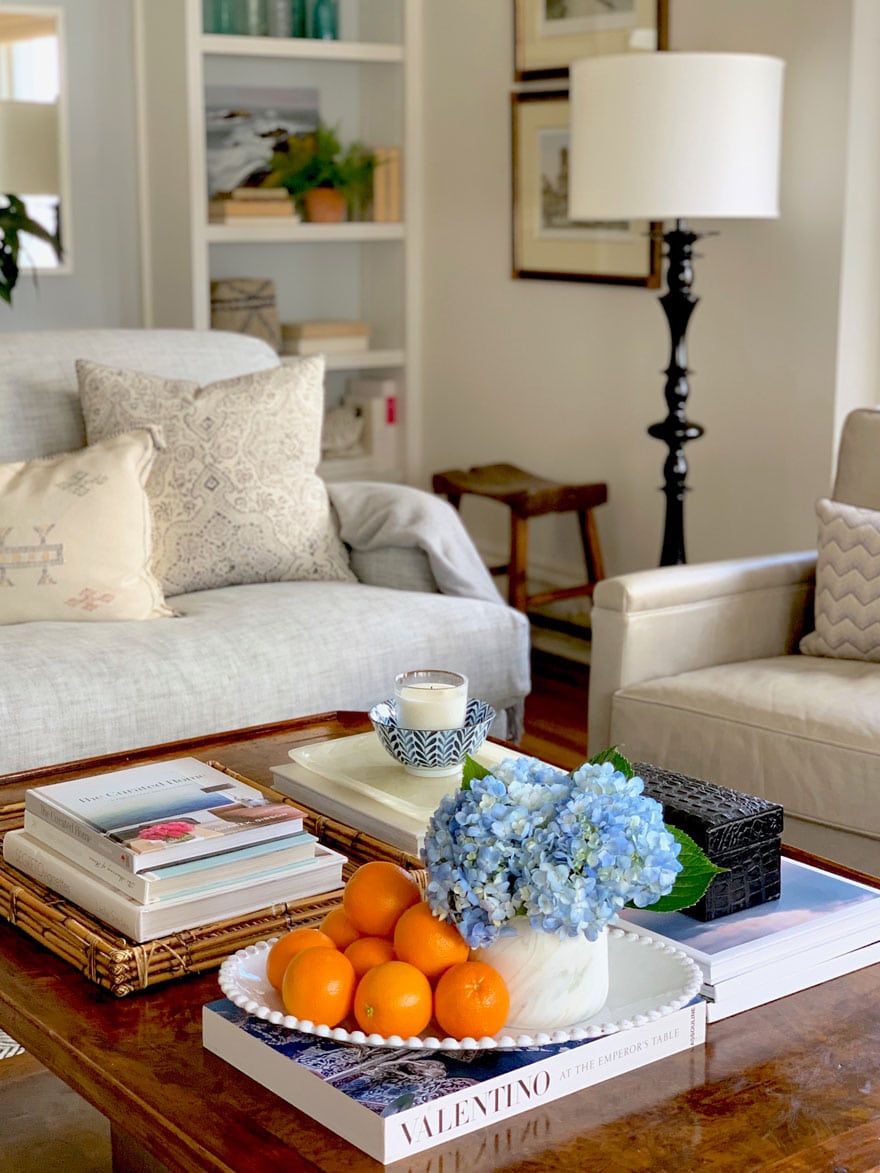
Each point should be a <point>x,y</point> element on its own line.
<point>175,879</point>
<point>143,922</point>
<point>394,1102</point>
<point>163,812</point>
<point>821,927</point>
<point>354,780</point>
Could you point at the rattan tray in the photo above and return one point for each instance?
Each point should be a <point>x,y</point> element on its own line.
<point>123,967</point>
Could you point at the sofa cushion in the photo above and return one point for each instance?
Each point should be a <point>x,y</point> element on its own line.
<point>847,605</point>
<point>799,730</point>
<point>235,495</point>
<point>243,656</point>
<point>76,535</point>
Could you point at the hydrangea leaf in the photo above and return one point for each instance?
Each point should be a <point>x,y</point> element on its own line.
<point>617,760</point>
<point>472,770</point>
<point>698,872</point>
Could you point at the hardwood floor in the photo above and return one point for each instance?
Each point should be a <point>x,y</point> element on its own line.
<point>47,1128</point>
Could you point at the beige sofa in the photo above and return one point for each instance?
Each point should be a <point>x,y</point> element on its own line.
<point>697,668</point>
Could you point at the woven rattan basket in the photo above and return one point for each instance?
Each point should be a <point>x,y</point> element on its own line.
<point>123,967</point>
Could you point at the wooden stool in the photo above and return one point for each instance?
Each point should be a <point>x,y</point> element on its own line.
<point>527,495</point>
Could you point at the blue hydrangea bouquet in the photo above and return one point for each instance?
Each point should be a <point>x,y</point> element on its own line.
<point>568,851</point>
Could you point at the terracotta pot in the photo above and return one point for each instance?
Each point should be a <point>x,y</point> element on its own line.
<point>324,205</point>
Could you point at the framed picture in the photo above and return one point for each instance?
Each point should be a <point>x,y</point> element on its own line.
<point>546,244</point>
<point>550,34</point>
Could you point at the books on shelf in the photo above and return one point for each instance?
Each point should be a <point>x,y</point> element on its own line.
<point>143,922</point>
<point>354,780</point>
<point>222,211</point>
<point>163,812</point>
<point>395,1102</point>
<point>324,337</point>
<point>387,202</point>
<point>174,879</point>
<point>822,926</point>
<point>376,400</point>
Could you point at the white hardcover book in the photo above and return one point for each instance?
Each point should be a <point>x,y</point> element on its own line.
<point>395,1102</point>
<point>163,812</point>
<point>377,400</point>
<point>174,879</point>
<point>144,922</point>
<point>816,909</point>
<point>354,780</point>
<point>784,978</point>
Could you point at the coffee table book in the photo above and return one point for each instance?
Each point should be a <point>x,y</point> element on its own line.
<point>163,812</point>
<point>144,922</point>
<point>822,924</point>
<point>175,879</point>
<point>394,1102</point>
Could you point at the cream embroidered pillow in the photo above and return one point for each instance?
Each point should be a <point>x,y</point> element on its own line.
<point>847,584</point>
<point>234,491</point>
<point>75,535</point>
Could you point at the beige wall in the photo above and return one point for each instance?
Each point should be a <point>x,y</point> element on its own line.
<point>564,378</point>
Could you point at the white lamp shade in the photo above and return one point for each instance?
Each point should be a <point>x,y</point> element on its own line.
<point>29,148</point>
<point>659,136</point>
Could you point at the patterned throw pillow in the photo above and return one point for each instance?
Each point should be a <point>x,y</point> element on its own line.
<point>847,584</point>
<point>75,535</point>
<point>234,491</point>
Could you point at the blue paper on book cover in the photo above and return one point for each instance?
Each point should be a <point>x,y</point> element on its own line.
<point>388,1080</point>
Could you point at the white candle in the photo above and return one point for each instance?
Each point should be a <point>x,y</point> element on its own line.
<point>431,700</point>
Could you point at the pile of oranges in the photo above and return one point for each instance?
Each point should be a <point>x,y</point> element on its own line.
<point>386,959</point>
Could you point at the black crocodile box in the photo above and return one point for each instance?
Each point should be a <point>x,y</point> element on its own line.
<point>737,831</point>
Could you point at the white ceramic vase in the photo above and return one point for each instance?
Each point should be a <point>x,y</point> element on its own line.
<point>554,982</point>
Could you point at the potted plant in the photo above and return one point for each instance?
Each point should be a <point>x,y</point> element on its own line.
<point>14,220</point>
<point>326,180</point>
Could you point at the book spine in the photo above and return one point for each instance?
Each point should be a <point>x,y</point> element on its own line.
<point>404,1134</point>
<point>74,885</point>
<point>111,873</point>
<point>377,400</point>
<point>83,834</point>
<point>417,1129</point>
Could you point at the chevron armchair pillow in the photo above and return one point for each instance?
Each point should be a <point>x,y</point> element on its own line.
<point>847,584</point>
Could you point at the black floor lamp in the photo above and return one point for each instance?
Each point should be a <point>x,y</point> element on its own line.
<point>675,136</point>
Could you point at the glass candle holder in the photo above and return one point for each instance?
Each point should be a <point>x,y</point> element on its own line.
<point>428,698</point>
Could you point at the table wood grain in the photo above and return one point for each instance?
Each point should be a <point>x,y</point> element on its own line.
<point>793,1086</point>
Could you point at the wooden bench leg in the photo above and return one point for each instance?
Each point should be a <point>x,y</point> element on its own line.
<point>516,570</point>
<point>592,549</point>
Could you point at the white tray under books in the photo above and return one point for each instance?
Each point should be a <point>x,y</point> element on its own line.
<point>354,780</point>
<point>648,981</point>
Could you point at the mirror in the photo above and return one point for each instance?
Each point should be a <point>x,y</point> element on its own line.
<point>33,127</point>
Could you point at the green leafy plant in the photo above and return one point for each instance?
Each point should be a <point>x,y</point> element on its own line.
<point>318,159</point>
<point>14,221</point>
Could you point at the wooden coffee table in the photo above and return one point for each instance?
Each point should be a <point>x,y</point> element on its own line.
<point>793,1086</point>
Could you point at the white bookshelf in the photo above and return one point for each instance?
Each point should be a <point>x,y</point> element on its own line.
<point>368,88</point>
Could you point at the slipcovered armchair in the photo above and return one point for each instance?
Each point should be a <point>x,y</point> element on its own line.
<point>701,669</point>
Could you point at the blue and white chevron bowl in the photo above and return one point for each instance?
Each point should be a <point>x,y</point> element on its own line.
<point>432,750</point>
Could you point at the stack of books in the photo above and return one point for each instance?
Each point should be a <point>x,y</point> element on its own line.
<point>324,337</point>
<point>251,203</point>
<point>387,206</point>
<point>821,927</point>
<point>168,846</point>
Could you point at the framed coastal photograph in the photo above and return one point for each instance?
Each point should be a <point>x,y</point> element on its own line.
<point>546,244</point>
<point>550,34</point>
<point>243,125</point>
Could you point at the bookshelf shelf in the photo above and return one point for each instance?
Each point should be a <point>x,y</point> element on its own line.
<point>366,84</point>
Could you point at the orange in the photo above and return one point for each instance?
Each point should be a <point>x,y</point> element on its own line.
<point>287,947</point>
<point>430,944</point>
<point>393,999</point>
<point>375,896</point>
<point>319,985</point>
<point>366,952</point>
<point>471,1000</point>
<point>337,925</point>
